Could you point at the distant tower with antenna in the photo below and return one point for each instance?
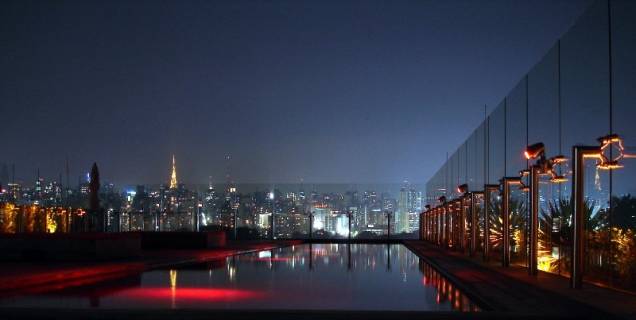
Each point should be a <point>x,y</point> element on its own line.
<point>173,176</point>
<point>228,177</point>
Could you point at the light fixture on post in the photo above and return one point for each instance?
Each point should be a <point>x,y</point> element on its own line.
<point>423,226</point>
<point>505,183</point>
<point>554,176</point>
<point>542,166</point>
<point>524,174</point>
<point>440,220</point>
<point>436,225</point>
<point>448,211</point>
<point>488,190</point>
<point>455,208</point>
<point>534,151</point>
<point>607,142</point>
<point>579,155</point>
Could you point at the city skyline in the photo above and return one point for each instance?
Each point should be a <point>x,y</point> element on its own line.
<point>273,212</point>
<point>7,177</point>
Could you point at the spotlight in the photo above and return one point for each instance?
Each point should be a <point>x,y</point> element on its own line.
<point>610,138</point>
<point>534,151</point>
<point>463,188</point>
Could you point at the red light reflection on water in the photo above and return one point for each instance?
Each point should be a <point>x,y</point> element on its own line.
<point>446,291</point>
<point>190,294</point>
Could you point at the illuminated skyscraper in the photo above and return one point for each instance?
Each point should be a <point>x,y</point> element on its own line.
<point>402,214</point>
<point>173,177</point>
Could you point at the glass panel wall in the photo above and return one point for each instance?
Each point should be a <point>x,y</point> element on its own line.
<point>543,126</point>
<point>480,157</point>
<point>497,144</point>
<point>623,203</point>
<point>585,94</point>
<point>463,163</point>
<point>567,99</point>
<point>516,130</point>
<point>496,170</point>
<point>470,162</point>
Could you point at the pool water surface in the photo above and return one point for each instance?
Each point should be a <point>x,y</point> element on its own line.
<point>303,277</point>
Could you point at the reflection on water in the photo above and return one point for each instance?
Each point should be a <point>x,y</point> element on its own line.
<point>309,277</point>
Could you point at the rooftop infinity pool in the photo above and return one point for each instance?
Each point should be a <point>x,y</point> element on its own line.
<point>304,277</point>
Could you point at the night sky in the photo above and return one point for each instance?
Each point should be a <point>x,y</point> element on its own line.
<point>325,91</point>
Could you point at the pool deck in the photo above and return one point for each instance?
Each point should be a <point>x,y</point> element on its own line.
<point>512,290</point>
<point>41,276</point>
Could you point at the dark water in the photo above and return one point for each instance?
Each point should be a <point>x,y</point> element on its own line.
<point>307,277</point>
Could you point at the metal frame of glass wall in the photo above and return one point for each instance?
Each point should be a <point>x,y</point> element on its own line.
<point>578,101</point>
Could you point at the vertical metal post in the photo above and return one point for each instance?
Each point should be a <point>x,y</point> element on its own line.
<point>534,219</point>
<point>458,216</point>
<point>506,182</point>
<point>436,221</point>
<point>462,224</point>
<point>423,227</point>
<point>449,221</point>
<point>473,223</point>
<point>429,228</point>
<point>433,226</point>
<point>440,226</point>
<point>505,223</point>
<point>579,153</point>
<point>446,233</point>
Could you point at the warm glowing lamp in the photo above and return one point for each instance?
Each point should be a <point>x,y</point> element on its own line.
<point>534,151</point>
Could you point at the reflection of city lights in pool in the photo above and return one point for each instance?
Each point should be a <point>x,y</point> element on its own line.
<point>199,287</point>
<point>231,272</point>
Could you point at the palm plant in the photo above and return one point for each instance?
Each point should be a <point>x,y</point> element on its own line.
<point>623,240</point>
<point>556,230</point>
<point>517,229</point>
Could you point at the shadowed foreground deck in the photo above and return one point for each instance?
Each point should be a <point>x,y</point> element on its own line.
<point>512,291</point>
